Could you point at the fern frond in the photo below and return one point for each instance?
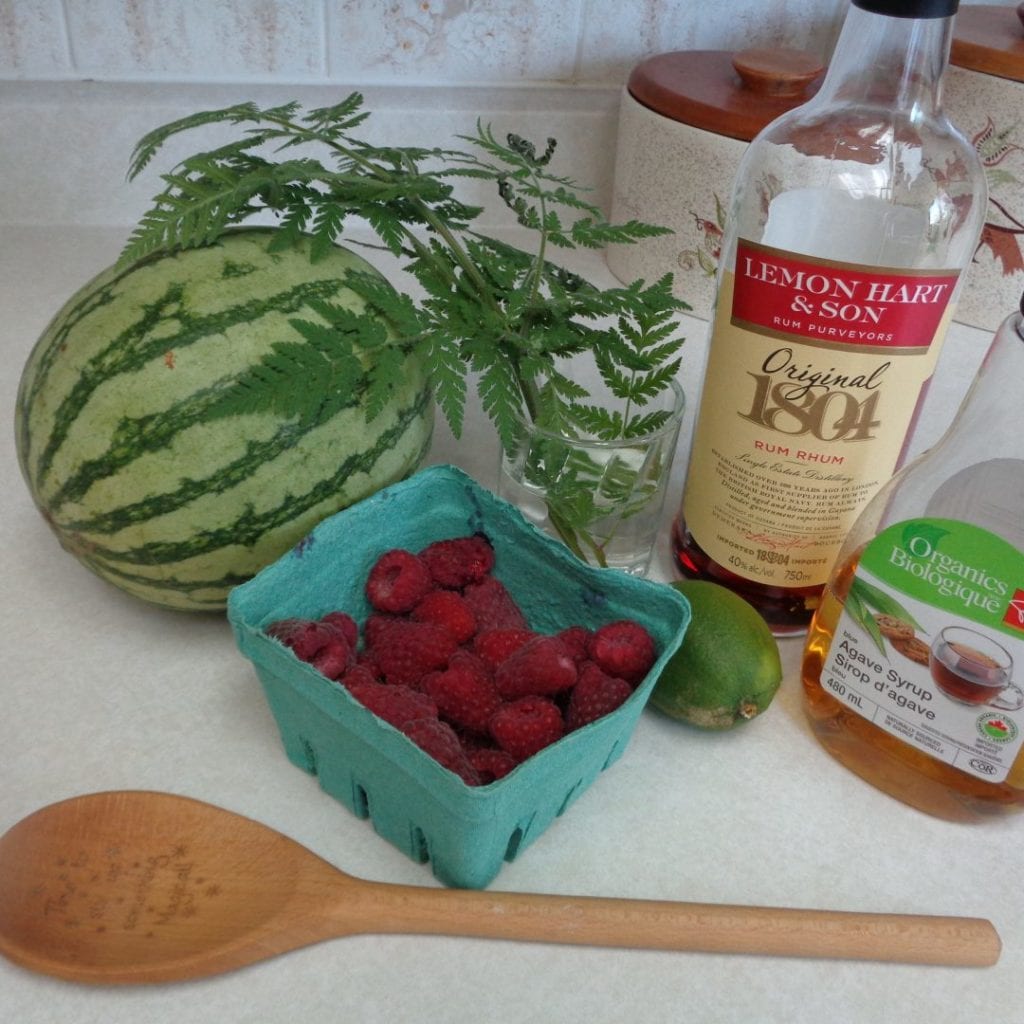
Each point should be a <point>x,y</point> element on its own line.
<point>447,371</point>
<point>293,381</point>
<point>648,423</point>
<point>385,373</point>
<point>341,117</point>
<point>327,224</point>
<point>199,203</point>
<point>605,424</point>
<point>501,398</point>
<point>151,143</point>
<point>292,225</point>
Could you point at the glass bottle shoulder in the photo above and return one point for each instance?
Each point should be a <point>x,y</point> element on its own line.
<point>909,184</point>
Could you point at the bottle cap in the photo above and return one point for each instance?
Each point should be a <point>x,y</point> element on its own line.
<point>910,8</point>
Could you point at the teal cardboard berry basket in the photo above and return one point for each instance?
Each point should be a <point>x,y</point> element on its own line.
<point>465,832</point>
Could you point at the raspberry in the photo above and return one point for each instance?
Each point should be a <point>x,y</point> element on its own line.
<point>449,609</point>
<point>405,651</point>
<point>303,636</point>
<point>397,705</point>
<point>468,658</point>
<point>347,625</point>
<point>397,582</point>
<point>440,741</point>
<point>541,666</point>
<point>524,726</point>
<point>319,643</point>
<point>334,658</point>
<point>461,560</point>
<point>493,606</point>
<point>495,645</point>
<point>368,660</point>
<point>595,694</point>
<point>491,764</point>
<point>624,649</point>
<point>356,675</point>
<point>576,639</point>
<point>464,693</point>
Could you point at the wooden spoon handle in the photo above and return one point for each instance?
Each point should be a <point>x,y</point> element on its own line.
<point>699,927</point>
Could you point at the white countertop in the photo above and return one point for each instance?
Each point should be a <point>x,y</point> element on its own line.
<point>103,692</point>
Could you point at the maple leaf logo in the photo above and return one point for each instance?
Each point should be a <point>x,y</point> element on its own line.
<point>1015,611</point>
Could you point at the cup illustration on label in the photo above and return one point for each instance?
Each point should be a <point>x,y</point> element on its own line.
<point>973,669</point>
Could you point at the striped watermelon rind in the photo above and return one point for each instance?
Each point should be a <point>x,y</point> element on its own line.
<point>141,457</point>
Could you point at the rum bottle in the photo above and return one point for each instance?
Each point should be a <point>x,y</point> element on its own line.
<point>851,220</point>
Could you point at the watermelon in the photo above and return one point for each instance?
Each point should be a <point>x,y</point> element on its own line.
<point>178,429</point>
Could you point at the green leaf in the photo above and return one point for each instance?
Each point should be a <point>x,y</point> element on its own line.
<point>389,226</point>
<point>499,394</point>
<point>385,374</point>
<point>341,117</point>
<point>883,602</point>
<point>648,423</point>
<point>448,375</point>
<point>862,616</point>
<point>292,381</point>
<point>327,224</point>
<point>292,226</point>
<point>928,531</point>
<point>602,423</point>
<point>149,144</point>
<point>200,201</point>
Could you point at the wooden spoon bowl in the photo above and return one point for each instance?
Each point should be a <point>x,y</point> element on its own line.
<point>129,887</point>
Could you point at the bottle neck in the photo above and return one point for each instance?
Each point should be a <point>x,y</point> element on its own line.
<point>890,62</point>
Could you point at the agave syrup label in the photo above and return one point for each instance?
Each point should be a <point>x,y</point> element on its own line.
<point>930,644</point>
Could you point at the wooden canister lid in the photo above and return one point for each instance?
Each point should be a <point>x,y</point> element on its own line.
<point>729,94</point>
<point>989,38</point>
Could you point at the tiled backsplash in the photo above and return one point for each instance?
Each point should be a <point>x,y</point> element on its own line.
<point>382,42</point>
<point>82,80</point>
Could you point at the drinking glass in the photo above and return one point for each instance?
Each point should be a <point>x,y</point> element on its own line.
<point>603,498</point>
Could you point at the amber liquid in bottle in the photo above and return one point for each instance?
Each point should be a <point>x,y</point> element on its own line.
<point>785,609</point>
<point>882,759</point>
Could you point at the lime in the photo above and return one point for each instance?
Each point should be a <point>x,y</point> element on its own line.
<point>727,670</point>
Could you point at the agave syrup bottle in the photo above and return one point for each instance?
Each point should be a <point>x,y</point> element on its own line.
<point>913,671</point>
<point>851,220</point>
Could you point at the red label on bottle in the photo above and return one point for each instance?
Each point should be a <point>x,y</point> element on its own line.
<point>836,303</point>
<point>1015,611</point>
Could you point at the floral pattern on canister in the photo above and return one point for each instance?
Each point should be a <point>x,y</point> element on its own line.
<point>664,168</point>
<point>1003,233</point>
<point>679,176</point>
<point>704,257</point>
<point>990,112</point>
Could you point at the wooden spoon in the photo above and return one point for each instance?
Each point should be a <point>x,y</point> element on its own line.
<point>128,887</point>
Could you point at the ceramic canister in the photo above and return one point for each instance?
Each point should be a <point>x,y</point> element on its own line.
<point>984,97</point>
<point>685,120</point>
